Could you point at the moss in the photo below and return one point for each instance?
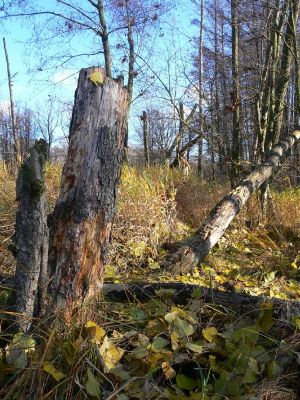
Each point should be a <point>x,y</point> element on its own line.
<point>37,188</point>
<point>34,186</point>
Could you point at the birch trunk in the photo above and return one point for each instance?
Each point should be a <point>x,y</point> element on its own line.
<point>31,236</point>
<point>197,248</point>
<point>80,226</point>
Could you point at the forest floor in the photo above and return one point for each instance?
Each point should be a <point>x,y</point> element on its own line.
<point>158,349</point>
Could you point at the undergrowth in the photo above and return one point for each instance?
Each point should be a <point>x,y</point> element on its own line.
<point>158,349</point>
<point>155,350</point>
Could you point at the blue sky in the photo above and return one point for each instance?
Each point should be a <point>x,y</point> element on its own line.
<point>33,87</point>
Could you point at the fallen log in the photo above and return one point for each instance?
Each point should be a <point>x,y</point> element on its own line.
<point>239,303</point>
<point>195,249</point>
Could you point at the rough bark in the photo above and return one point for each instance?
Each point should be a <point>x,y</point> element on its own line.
<point>197,248</point>
<point>16,140</point>
<point>80,225</point>
<point>31,236</point>
<point>239,303</point>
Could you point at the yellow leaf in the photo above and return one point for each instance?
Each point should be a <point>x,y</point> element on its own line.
<point>95,331</point>
<point>96,77</point>
<point>294,265</point>
<point>210,333</point>
<point>49,367</point>
<point>111,354</point>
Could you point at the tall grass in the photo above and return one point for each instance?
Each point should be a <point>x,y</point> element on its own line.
<point>155,206</point>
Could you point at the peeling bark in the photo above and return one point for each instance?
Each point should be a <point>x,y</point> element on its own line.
<point>31,236</point>
<point>80,225</point>
<point>197,248</point>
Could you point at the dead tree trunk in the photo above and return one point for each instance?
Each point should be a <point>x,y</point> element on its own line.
<point>31,236</point>
<point>80,225</point>
<point>197,248</point>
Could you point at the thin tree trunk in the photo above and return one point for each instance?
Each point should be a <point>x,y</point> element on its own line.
<point>31,236</point>
<point>184,125</point>
<point>146,139</point>
<point>279,84</point>
<point>297,78</point>
<point>216,77</point>
<point>283,75</point>
<point>197,248</point>
<point>104,38</point>
<point>130,75</point>
<point>16,140</point>
<point>81,223</point>
<point>236,129</point>
<point>200,84</point>
<point>179,137</point>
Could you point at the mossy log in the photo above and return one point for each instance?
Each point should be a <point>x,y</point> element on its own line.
<point>239,303</point>
<point>80,225</point>
<point>30,241</point>
<point>195,249</point>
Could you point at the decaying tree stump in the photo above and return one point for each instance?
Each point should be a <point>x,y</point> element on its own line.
<point>197,248</point>
<point>80,225</point>
<point>31,235</point>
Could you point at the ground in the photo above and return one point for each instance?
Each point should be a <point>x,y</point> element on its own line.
<point>157,349</point>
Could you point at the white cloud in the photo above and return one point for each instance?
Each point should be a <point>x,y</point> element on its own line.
<point>66,77</point>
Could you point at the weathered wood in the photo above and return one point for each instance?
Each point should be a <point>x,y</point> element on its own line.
<point>194,250</point>
<point>31,235</point>
<point>239,303</point>
<point>80,225</point>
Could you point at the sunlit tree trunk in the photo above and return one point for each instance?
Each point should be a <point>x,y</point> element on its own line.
<point>81,223</point>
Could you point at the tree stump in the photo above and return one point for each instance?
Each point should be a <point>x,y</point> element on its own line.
<point>80,225</point>
<point>31,236</point>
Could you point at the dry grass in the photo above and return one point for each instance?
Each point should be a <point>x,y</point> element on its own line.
<point>7,218</point>
<point>155,206</point>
